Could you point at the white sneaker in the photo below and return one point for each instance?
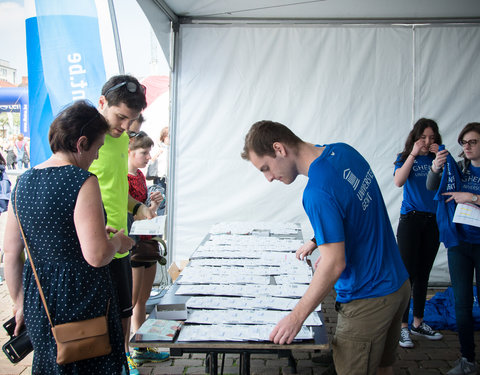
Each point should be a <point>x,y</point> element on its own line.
<point>463,367</point>
<point>426,331</point>
<point>405,340</point>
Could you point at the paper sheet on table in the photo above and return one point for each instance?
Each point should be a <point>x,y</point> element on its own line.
<point>154,227</point>
<point>467,213</point>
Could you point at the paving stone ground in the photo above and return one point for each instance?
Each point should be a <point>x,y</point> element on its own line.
<point>427,358</point>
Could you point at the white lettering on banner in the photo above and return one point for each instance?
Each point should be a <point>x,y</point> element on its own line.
<point>77,83</point>
<point>25,118</point>
<point>10,107</point>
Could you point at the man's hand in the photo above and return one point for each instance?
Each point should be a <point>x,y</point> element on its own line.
<point>145,212</point>
<point>286,330</point>
<point>156,199</point>
<point>306,249</point>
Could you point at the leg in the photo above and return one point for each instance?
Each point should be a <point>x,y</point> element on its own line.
<point>461,267</point>
<point>428,251</point>
<point>137,278</point>
<point>144,289</point>
<point>408,240</point>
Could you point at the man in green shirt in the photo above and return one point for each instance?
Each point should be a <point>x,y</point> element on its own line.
<point>121,103</point>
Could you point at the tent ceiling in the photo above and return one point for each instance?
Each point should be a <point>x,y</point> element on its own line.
<point>191,10</point>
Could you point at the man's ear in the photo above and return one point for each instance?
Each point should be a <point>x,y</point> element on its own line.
<point>102,102</point>
<point>279,149</point>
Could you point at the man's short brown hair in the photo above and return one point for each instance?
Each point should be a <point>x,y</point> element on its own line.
<point>263,134</point>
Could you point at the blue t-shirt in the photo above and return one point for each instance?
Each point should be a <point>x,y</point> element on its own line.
<point>470,184</point>
<point>343,202</point>
<point>416,197</point>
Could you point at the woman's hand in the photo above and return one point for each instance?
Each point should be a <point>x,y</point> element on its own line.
<point>126,243</point>
<point>459,197</point>
<point>417,147</point>
<point>433,148</point>
<point>19,319</point>
<point>305,250</point>
<point>439,161</point>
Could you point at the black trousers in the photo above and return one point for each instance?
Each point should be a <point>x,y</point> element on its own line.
<point>417,238</point>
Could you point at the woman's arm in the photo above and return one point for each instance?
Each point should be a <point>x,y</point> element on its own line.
<point>14,260</point>
<point>402,173</point>
<point>97,248</point>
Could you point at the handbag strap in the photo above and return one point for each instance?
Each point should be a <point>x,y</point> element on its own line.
<point>42,296</point>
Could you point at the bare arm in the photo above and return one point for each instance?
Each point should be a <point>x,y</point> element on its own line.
<point>329,269</point>
<point>402,173</point>
<point>97,248</point>
<point>143,211</point>
<point>14,260</point>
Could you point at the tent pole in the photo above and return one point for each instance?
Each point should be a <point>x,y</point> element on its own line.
<point>173,138</point>
<point>116,36</point>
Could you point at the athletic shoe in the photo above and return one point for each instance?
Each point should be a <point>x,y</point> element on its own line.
<point>141,355</point>
<point>132,366</point>
<point>405,340</point>
<point>463,367</point>
<point>426,331</point>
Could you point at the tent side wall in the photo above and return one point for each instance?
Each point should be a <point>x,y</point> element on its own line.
<point>363,85</point>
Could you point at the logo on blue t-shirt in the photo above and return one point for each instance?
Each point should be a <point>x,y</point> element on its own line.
<point>350,177</point>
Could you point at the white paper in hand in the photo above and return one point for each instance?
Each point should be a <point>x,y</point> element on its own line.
<point>154,227</point>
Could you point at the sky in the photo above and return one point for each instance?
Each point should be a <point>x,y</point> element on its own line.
<point>135,36</point>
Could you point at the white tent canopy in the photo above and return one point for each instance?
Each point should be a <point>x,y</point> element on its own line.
<point>360,72</point>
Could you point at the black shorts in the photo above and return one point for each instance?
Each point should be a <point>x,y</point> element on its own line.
<point>121,272</point>
<point>142,264</point>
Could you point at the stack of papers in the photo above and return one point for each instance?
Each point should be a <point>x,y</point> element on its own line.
<point>237,332</point>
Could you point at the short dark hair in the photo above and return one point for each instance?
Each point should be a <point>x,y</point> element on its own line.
<point>79,119</point>
<point>470,127</point>
<point>263,134</point>
<point>139,140</point>
<point>134,100</point>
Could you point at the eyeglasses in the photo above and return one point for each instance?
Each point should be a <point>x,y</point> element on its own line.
<point>132,134</point>
<point>471,142</point>
<point>131,87</point>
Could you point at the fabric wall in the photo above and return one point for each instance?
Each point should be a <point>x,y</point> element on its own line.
<point>364,85</point>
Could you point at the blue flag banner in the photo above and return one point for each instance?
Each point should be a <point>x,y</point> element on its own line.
<point>451,181</point>
<point>65,63</point>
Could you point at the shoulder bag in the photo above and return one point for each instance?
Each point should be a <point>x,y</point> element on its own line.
<point>76,341</point>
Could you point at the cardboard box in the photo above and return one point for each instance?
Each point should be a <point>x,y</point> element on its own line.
<point>174,311</point>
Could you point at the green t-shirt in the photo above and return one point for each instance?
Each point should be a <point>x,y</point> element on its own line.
<point>111,169</point>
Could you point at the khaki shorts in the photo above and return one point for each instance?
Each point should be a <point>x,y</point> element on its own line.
<point>368,331</point>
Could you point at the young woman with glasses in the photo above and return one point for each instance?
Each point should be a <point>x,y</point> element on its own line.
<point>464,259</point>
<point>417,233</point>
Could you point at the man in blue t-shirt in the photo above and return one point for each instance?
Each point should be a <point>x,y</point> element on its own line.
<point>359,254</point>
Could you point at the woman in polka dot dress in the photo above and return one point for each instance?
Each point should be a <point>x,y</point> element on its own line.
<point>60,209</point>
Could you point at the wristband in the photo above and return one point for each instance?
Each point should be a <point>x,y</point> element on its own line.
<point>135,208</point>
<point>314,240</point>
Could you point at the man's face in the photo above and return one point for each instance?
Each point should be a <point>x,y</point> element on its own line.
<point>119,118</point>
<point>279,168</point>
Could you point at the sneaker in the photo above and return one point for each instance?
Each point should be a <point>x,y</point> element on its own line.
<point>143,355</point>
<point>132,366</point>
<point>405,340</point>
<point>426,331</point>
<point>463,367</point>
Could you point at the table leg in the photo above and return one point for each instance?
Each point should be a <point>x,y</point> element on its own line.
<point>245,363</point>
<point>211,363</point>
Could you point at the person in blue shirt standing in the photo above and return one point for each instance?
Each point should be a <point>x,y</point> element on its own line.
<point>463,259</point>
<point>417,233</point>
<point>359,254</point>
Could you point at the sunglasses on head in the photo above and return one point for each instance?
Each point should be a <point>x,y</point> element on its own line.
<point>132,134</point>
<point>131,87</point>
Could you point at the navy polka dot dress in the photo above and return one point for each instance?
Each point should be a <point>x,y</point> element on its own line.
<point>74,290</point>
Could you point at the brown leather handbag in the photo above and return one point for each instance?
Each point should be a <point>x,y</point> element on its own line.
<point>75,340</point>
<point>149,251</point>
